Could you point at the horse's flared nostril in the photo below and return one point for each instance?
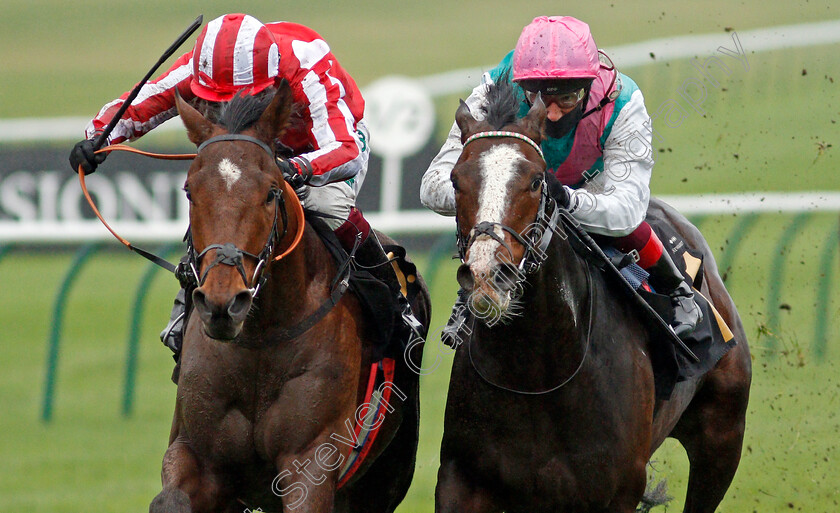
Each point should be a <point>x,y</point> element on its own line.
<point>465,278</point>
<point>200,303</point>
<point>222,319</point>
<point>239,306</point>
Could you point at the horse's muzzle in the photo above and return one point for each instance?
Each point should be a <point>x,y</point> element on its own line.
<point>491,294</point>
<point>222,320</point>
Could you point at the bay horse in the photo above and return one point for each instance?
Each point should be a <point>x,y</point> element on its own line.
<point>551,403</point>
<point>272,375</point>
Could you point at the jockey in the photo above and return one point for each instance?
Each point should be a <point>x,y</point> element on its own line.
<point>597,147</point>
<point>323,154</point>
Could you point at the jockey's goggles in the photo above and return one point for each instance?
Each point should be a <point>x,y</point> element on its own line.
<point>564,101</point>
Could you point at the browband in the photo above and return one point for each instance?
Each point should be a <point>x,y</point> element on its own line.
<point>504,133</point>
<point>236,137</point>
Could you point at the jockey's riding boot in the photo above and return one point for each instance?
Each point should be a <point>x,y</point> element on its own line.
<point>667,279</point>
<point>373,259</point>
<point>173,334</point>
<point>455,331</point>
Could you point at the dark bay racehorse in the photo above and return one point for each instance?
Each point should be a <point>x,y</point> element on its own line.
<point>552,408</point>
<point>266,408</point>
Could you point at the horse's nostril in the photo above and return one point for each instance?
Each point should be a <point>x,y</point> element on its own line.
<point>199,300</point>
<point>465,278</point>
<point>239,305</point>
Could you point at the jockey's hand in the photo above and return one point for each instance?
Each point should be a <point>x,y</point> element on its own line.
<point>293,172</point>
<point>83,155</point>
<point>558,191</point>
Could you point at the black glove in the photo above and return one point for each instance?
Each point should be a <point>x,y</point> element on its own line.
<point>83,155</point>
<point>294,171</point>
<point>557,191</point>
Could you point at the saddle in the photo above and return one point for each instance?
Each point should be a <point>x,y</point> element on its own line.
<point>709,341</point>
<point>375,297</point>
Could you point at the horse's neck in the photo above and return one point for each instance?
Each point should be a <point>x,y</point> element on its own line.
<point>556,301</point>
<point>289,290</point>
<point>546,344</point>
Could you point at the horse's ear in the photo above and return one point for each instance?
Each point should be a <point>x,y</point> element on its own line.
<point>465,121</point>
<point>272,123</point>
<point>199,129</point>
<point>534,122</point>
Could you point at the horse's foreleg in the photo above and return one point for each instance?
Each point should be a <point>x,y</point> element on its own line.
<point>303,484</point>
<point>188,486</point>
<point>455,493</point>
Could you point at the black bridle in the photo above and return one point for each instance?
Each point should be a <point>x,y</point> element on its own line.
<point>539,234</point>
<point>228,253</point>
<point>549,220</point>
<point>535,241</point>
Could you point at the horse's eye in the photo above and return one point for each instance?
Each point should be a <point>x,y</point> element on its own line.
<point>455,185</point>
<point>535,185</point>
<point>272,195</point>
<point>187,191</point>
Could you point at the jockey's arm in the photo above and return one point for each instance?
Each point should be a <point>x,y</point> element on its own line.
<point>341,150</point>
<point>614,202</point>
<point>436,191</point>
<point>343,156</point>
<point>154,104</point>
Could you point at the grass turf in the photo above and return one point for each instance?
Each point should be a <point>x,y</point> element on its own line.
<point>90,457</point>
<point>772,127</point>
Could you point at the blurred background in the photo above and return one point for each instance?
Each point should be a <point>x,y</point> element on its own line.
<point>748,152</point>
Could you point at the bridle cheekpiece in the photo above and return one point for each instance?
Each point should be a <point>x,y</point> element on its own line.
<point>538,234</point>
<point>228,253</point>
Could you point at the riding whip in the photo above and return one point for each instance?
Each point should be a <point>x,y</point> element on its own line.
<point>108,129</point>
<point>593,247</point>
<point>134,92</point>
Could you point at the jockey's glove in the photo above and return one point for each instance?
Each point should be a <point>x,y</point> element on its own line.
<point>83,155</point>
<point>296,171</point>
<point>557,190</point>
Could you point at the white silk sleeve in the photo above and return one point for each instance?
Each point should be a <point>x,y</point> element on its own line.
<point>436,192</point>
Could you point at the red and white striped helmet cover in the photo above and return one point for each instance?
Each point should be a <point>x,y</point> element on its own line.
<point>234,52</point>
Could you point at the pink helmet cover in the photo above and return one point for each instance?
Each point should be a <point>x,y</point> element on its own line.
<point>555,47</point>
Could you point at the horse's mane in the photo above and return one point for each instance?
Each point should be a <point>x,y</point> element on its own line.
<point>502,102</point>
<point>242,111</point>
<point>237,114</point>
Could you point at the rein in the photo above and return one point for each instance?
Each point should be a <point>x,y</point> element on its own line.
<point>582,358</point>
<point>120,147</point>
<point>281,196</point>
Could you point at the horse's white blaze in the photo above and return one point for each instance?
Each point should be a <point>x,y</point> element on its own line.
<point>230,172</point>
<point>498,167</point>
